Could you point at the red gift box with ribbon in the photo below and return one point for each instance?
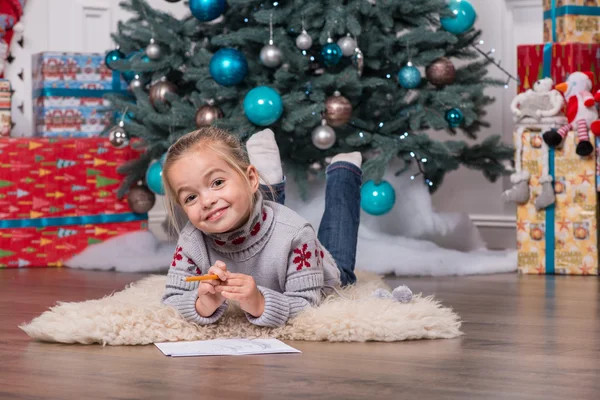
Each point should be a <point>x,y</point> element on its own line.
<point>556,60</point>
<point>58,196</point>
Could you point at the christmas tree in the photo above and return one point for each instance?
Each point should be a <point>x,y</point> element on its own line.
<point>327,76</point>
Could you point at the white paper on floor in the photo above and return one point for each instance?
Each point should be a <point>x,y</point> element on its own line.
<point>225,347</point>
<point>412,239</point>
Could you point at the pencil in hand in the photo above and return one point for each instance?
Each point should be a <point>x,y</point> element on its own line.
<point>201,278</point>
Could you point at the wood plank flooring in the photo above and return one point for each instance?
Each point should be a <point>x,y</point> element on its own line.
<point>526,337</point>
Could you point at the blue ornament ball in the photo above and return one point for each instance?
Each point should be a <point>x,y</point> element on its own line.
<point>263,105</point>
<point>154,178</point>
<point>228,67</point>
<point>207,10</point>
<point>113,55</point>
<point>331,54</point>
<point>377,199</point>
<point>464,17</point>
<point>454,117</point>
<point>409,77</point>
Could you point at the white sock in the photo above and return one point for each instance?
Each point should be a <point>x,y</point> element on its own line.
<point>264,155</point>
<point>354,158</point>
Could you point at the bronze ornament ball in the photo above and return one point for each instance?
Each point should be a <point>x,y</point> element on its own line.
<point>140,199</point>
<point>338,110</point>
<point>159,90</point>
<point>207,115</point>
<point>441,72</point>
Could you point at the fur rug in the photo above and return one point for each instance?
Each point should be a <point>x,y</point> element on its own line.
<point>135,316</point>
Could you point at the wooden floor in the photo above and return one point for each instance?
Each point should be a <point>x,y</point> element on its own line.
<point>526,337</point>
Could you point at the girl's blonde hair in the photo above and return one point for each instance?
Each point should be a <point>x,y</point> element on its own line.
<point>217,141</point>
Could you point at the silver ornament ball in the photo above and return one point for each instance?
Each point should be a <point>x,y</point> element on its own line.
<point>271,56</point>
<point>323,137</point>
<point>347,44</point>
<point>153,51</point>
<point>304,41</point>
<point>136,83</point>
<point>118,137</point>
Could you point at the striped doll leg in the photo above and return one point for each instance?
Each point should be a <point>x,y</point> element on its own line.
<point>584,147</point>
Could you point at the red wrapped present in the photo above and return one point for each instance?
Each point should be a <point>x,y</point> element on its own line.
<point>58,196</point>
<point>556,60</point>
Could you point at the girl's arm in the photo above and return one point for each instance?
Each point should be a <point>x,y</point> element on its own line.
<point>303,285</point>
<point>183,295</point>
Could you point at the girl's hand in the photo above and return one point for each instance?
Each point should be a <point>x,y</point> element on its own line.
<point>242,288</point>
<point>208,298</point>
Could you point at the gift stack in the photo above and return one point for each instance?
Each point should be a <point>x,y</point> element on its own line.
<point>557,126</point>
<point>58,196</point>
<point>68,90</point>
<point>5,104</point>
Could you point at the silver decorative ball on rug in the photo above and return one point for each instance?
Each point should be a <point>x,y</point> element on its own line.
<point>402,294</point>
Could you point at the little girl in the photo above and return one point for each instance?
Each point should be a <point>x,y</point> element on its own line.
<point>267,257</point>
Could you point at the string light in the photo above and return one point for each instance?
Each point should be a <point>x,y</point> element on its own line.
<point>496,63</point>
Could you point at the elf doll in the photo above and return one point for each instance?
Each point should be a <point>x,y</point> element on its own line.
<point>10,15</point>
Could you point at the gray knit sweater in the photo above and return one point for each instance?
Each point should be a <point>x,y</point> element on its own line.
<point>277,247</point>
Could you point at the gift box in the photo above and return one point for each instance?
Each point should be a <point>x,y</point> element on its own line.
<point>68,92</point>
<point>562,238</point>
<point>58,196</point>
<point>5,104</point>
<point>556,61</point>
<point>572,21</point>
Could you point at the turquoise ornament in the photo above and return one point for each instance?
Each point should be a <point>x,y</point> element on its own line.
<point>409,77</point>
<point>331,54</point>
<point>454,117</point>
<point>113,55</point>
<point>377,199</point>
<point>207,10</point>
<point>154,178</point>
<point>228,67</point>
<point>263,105</point>
<point>464,17</point>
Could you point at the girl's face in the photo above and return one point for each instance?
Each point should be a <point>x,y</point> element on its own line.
<point>215,198</point>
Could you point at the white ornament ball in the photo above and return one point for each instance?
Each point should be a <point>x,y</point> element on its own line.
<point>347,44</point>
<point>323,137</point>
<point>304,41</point>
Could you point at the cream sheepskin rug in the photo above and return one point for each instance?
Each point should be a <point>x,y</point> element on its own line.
<point>135,316</point>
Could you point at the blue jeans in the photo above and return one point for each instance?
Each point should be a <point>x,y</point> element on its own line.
<point>338,231</point>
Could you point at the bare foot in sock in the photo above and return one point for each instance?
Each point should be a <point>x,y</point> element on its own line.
<point>264,155</point>
<point>353,158</point>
